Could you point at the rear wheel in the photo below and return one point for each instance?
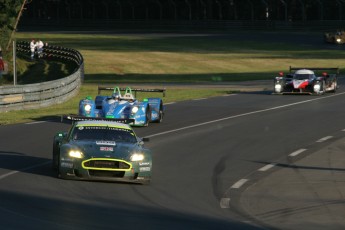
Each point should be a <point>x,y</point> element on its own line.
<point>147,116</point>
<point>58,171</point>
<point>323,87</point>
<point>335,87</point>
<point>160,114</point>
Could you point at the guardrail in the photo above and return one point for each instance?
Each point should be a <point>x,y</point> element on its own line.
<point>32,96</point>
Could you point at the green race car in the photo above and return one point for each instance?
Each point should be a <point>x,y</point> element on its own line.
<point>101,150</point>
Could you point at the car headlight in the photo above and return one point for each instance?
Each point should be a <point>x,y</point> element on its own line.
<point>317,88</point>
<point>135,109</point>
<point>278,87</point>
<point>87,108</point>
<point>137,157</point>
<point>75,154</point>
<point>338,40</point>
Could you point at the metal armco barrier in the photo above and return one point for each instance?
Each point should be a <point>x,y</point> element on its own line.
<point>32,96</point>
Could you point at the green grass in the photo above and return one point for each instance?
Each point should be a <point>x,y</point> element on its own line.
<point>130,59</point>
<point>150,58</point>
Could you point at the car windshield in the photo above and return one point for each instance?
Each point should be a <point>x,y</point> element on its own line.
<point>303,76</point>
<point>103,133</point>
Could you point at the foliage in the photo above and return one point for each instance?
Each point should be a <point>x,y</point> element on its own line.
<point>9,10</point>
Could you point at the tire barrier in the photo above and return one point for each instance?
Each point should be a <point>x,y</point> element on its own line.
<point>33,96</point>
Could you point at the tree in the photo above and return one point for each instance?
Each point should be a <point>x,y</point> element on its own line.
<point>10,12</point>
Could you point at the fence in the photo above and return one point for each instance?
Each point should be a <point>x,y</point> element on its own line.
<point>181,25</point>
<point>32,96</point>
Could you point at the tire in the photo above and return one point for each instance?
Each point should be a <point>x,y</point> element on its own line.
<point>335,87</point>
<point>160,114</point>
<point>160,120</point>
<point>148,117</point>
<point>58,173</point>
<point>55,161</point>
<point>323,88</point>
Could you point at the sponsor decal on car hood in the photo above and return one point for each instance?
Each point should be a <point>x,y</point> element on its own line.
<point>300,84</point>
<point>96,149</point>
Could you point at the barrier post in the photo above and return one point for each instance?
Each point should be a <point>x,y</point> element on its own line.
<point>14,64</point>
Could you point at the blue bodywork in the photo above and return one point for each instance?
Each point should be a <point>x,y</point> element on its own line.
<point>124,106</point>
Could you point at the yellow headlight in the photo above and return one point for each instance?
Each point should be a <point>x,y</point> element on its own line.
<point>75,154</point>
<point>137,157</point>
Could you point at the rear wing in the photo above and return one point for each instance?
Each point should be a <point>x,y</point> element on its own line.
<point>337,70</point>
<point>72,117</point>
<point>100,88</point>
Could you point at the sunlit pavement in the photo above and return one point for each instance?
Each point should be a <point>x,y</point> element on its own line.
<point>307,194</point>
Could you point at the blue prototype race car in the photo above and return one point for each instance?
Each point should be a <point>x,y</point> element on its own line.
<point>124,106</point>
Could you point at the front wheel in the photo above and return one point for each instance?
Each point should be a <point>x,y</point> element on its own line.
<point>58,165</point>
<point>55,161</point>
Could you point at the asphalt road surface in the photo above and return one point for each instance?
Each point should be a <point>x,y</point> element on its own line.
<point>201,153</point>
<point>206,154</point>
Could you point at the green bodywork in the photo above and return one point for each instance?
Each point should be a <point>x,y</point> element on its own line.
<point>101,160</point>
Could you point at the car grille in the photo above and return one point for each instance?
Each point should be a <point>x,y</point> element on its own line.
<point>101,173</point>
<point>107,165</point>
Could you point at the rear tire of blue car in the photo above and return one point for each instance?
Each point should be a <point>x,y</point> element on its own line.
<point>160,114</point>
<point>160,119</point>
<point>147,116</point>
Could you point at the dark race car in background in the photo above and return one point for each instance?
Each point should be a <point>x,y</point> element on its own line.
<point>124,106</point>
<point>101,150</point>
<point>305,81</point>
<point>335,38</point>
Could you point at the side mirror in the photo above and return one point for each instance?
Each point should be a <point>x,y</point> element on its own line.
<point>146,139</point>
<point>143,140</point>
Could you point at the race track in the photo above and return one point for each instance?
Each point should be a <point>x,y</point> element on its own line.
<point>198,157</point>
<point>205,154</point>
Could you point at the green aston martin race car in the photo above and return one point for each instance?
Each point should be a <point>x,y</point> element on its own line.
<point>101,150</point>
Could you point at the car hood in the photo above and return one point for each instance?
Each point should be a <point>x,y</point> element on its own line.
<point>116,108</point>
<point>106,149</point>
<point>300,83</point>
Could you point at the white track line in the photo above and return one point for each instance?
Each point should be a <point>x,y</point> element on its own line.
<point>297,152</point>
<point>239,183</point>
<point>324,139</point>
<point>242,115</point>
<point>267,167</point>
<point>35,122</point>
